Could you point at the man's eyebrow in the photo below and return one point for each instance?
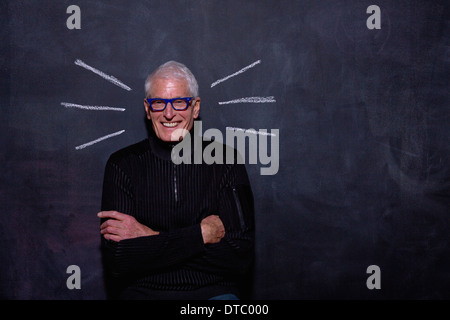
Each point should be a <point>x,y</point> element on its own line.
<point>179,97</point>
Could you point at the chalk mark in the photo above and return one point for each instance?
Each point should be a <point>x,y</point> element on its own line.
<point>97,108</point>
<point>236,73</point>
<point>270,99</point>
<point>250,131</point>
<point>99,139</point>
<point>397,149</point>
<point>112,79</point>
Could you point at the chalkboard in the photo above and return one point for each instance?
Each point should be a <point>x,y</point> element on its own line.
<point>359,98</point>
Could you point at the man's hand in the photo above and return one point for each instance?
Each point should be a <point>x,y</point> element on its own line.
<point>121,226</point>
<point>212,229</point>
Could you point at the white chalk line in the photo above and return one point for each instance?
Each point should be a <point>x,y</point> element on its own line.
<point>400,150</point>
<point>270,99</point>
<point>112,79</point>
<point>99,139</point>
<point>97,108</point>
<point>236,73</point>
<point>251,131</point>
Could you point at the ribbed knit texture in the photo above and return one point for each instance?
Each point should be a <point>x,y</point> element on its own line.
<point>142,181</point>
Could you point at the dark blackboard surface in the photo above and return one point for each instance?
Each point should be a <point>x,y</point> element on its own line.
<point>363,119</point>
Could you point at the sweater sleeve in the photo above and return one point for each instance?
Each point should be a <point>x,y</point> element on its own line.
<point>234,254</point>
<point>142,254</point>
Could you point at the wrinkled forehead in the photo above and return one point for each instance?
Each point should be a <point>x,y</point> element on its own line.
<point>169,88</point>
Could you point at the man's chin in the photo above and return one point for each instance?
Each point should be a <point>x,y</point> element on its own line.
<point>172,135</point>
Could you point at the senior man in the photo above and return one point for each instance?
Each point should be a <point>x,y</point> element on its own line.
<point>173,231</point>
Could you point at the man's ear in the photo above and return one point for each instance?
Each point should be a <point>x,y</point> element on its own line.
<point>147,109</point>
<point>197,107</point>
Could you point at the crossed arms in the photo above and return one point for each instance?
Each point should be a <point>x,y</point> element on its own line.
<point>121,226</point>
<point>130,246</point>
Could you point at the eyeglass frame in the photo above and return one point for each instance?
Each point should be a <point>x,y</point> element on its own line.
<point>150,100</point>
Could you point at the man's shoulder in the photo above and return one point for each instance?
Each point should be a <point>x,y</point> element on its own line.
<point>134,150</point>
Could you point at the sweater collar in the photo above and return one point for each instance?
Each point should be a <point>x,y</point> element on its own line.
<point>163,149</point>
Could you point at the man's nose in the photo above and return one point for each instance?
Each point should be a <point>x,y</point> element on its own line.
<point>169,113</point>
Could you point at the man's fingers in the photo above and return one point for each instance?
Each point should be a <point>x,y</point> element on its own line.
<point>111,231</point>
<point>111,214</point>
<point>119,226</point>
<point>112,237</point>
<point>111,223</point>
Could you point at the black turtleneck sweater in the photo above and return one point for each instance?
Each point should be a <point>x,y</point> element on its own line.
<point>141,180</point>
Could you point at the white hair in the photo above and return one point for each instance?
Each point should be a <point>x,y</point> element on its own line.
<point>173,70</point>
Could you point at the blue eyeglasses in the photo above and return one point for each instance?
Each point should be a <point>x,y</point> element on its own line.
<point>178,104</point>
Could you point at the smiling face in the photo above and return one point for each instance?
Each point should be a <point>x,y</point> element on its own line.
<point>170,124</point>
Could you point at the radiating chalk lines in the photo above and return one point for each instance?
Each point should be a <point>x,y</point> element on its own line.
<point>270,99</point>
<point>99,108</point>
<point>112,79</point>
<point>109,78</point>
<point>251,131</point>
<point>99,139</point>
<point>236,73</point>
<point>250,100</point>
<point>115,81</point>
